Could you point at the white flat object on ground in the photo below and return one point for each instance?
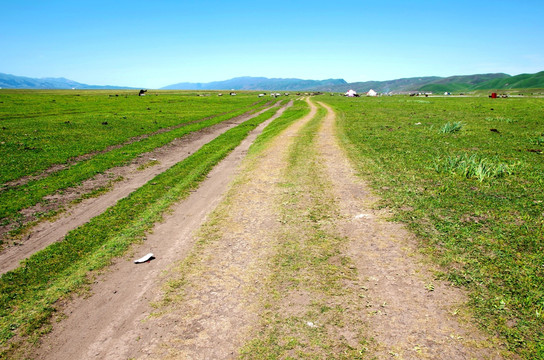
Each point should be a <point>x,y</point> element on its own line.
<point>144,259</point>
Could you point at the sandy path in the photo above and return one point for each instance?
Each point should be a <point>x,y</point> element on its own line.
<point>406,319</point>
<point>111,323</point>
<point>46,233</point>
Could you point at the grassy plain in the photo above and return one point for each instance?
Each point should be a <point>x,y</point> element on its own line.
<point>473,196</point>
<point>485,229</point>
<point>29,293</point>
<point>40,129</point>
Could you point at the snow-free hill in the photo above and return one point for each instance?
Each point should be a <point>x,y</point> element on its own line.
<point>430,83</point>
<point>462,82</point>
<point>434,84</point>
<point>260,83</point>
<point>438,84</point>
<point>522,81</point>
<point>397,85</point>
<point>8,81</point>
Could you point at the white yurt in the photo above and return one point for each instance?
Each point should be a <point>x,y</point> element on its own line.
<point>371,93</point>
<point>350,93</point>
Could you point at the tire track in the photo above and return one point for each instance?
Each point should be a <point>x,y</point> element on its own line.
<point>48,232</point>
<point>410,314</point>
<point>113,322</point>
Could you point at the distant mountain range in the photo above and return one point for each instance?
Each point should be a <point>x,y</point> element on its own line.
<point>259,83</point>
<point>428,84</point>
<point>8,81</point>
<point>462,83</point>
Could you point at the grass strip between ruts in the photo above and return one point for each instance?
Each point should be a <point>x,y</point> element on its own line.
<point>295,112</point>
<point>18,198</point>
<point>28,293</point>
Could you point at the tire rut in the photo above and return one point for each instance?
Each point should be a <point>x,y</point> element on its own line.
<point>115,321</point>
<point>48,232</point>
<point>410,315</point>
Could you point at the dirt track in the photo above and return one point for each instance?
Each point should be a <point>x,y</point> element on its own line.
<point>48,232</point>
<point>410,315</point>
<point>217,305</point>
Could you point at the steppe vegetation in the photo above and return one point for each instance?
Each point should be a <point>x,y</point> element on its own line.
<point>473,196</point>
<point>41,129</point>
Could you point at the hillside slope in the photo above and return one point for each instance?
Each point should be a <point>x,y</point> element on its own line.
<point>522,81</point>
<point>462,83</point>
<point>8,81</point>
<point>405,84</point>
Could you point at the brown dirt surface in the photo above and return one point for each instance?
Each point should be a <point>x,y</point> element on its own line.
<point>133,176</point>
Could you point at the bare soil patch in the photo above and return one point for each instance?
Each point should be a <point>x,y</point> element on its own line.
<point>129,178</point>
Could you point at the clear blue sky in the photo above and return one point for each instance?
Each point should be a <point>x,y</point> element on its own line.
<point>157,43</point>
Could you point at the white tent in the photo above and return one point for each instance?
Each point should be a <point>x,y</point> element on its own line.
<point>351,93</point>
<point>371,93</point>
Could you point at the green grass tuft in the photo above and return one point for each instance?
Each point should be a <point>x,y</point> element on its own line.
<point>538,140</point>
<point>450,128</point>
<point>473,166</point>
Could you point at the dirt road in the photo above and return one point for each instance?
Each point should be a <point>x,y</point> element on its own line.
<point>211,289</point>
<point>133,176</point>
<point>410,315</point>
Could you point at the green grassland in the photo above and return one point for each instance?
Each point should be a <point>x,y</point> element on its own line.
<point>29,293</point>
<point>41,128</point>
<point>467,176</point>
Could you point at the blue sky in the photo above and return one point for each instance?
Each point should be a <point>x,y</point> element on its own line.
<point>157,43</point>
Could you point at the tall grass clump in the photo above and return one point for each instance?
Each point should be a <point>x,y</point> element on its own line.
<point>450,128</point>
<point>473,166</point>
